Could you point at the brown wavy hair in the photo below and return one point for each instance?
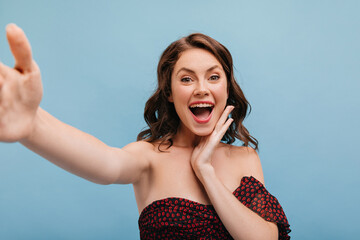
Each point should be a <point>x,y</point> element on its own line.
<point>160,114</point>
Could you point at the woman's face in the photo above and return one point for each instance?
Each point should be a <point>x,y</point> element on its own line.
<point>198,90</point>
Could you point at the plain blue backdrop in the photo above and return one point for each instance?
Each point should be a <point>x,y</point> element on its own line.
<point>297,62</point>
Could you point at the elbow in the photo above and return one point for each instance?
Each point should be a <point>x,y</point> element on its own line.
<point>273,231</point>
<point>269,233</point>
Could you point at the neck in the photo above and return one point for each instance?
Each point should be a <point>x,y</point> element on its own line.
<point>185,138</point>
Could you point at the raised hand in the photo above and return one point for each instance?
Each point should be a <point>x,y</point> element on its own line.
<point>20,89</point>
<point>201,155</point>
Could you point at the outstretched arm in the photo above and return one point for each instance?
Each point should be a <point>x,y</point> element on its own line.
<point>21,119</point>
<point>82,154</point>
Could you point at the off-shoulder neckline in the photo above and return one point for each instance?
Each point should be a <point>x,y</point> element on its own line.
<point>195,202</point>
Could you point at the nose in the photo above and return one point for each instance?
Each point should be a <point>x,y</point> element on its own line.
<point>201,89</point>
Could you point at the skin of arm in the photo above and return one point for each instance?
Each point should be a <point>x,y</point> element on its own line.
<point>82,154</point>
<point>239,220</point>
<point>21,119</point>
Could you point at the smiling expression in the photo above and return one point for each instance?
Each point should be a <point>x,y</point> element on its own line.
<point>198,90</point>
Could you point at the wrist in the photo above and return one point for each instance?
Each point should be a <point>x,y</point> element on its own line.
<point>204,172</point>
<point>33,126</point>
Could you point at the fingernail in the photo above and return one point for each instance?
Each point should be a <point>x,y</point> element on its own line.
<point>10,25</point>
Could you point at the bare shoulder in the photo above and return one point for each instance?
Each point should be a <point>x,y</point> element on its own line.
<point>141,151</point>
<point>248,160</point>
<point>139,147</point>
<point>144,149</point>
<point>133,162</point>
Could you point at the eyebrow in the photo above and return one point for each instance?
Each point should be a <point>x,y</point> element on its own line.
<point>192,71</point>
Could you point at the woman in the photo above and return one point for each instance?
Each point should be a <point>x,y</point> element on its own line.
<point>186,181</point>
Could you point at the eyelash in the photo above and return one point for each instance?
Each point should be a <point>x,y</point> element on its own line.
<point>187,79</point>
<point>212,76</point>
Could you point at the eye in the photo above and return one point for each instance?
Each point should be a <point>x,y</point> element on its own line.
<point>214,77</point>
<point>186,79</point>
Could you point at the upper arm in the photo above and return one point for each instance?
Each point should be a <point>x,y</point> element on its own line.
<point>250,163</point>
<point>251,166</point>
<point>130,162</point>
<point>255,170</point>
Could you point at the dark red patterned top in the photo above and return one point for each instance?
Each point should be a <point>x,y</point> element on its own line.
<point>179,218</point>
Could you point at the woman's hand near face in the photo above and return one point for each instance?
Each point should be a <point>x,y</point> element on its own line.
<point>202,153</point>
<point>20,89</point>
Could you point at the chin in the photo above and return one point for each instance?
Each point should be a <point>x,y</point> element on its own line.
<point>203,132</point>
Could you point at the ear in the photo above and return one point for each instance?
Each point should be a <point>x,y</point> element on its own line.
<point>170,98</point>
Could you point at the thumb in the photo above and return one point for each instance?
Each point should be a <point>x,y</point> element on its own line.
<point>20,48</point>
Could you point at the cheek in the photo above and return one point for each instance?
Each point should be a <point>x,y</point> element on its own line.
<point>181,94</point>
<point>180,99</point>
<point>221,93</point>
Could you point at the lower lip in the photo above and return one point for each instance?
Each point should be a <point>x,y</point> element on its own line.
<point>201,120</point>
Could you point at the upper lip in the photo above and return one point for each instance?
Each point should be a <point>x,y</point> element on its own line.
<point>199,102</point>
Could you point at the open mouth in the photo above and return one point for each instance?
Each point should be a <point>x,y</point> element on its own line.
<point>201,111</point>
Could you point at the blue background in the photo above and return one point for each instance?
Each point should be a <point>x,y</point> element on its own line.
<point>297,62</point>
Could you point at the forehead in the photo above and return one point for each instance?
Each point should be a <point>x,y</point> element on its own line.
<point>196,59</point>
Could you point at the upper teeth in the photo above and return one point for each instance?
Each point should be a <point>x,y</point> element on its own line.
<point>201,105</point>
